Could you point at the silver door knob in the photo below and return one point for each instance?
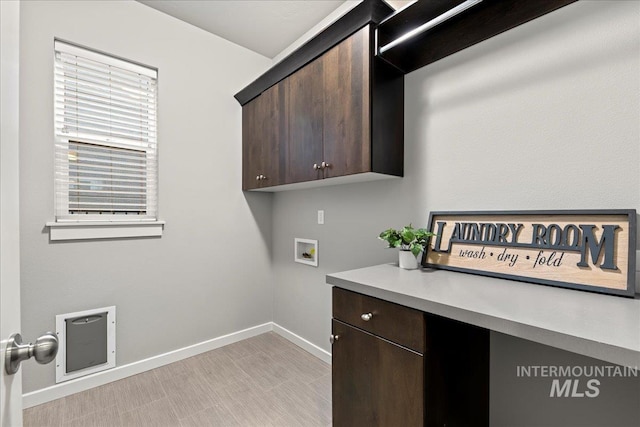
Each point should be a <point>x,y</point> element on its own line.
<point>257,177</point>
<point>333,338</point>
<point>44,350</point>
<point>325,165</point>
<point>315,166</point>
<point>263,177</point>
<point>366,316</point>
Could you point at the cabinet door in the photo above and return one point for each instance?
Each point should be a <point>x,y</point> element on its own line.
<point>251,146</point>
<point>306,100</point>
<point>347,142</point>
<point>375,382</point>
<point>264,138</point>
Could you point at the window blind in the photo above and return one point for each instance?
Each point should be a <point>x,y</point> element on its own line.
<point>105,137</point>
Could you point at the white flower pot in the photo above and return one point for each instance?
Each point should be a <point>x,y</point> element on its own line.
<point>407,260</point>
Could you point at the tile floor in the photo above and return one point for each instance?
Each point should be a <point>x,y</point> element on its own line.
<point>261,381</point>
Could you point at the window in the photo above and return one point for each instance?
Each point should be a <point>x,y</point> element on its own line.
<point>106,152</point>
<point>106,160</point>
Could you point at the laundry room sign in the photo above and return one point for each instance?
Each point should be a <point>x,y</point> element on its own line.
<point>588,250</point>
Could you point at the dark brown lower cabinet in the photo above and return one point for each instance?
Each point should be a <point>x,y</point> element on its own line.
<point>375,382</point>
<point>398,366</point>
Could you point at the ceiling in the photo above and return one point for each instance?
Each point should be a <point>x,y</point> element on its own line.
<point>264,26</point>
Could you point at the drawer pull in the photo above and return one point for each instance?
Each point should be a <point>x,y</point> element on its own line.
<point>366,317</point>
<point>333,338</point>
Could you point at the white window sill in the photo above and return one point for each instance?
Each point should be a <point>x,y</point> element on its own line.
<point>103,230</point>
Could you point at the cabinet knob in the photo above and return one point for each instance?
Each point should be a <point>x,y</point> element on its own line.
<point>366,316</point>
<point>263,177</point>
<point>257,177</point>
<point>333,338</point>
<point>315,166</point>
<point>325,165</point>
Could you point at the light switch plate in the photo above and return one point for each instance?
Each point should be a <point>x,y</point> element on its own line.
<point>320,217</point>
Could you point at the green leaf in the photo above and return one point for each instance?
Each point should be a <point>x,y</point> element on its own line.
<point>392,237</point>
<point>384,234</point>
<point>408,235</point>
<point>416,249</point>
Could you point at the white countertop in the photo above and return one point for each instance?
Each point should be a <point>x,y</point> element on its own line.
<point>601,326</point>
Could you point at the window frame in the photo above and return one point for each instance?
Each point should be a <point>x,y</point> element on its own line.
<point>73,226</point>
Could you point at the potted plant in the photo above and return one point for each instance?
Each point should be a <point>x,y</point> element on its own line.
<point>410,241</point>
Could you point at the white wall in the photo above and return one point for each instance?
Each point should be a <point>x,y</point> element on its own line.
<point>210,273</point>
<point>545,116</point>
<point>327,21</point>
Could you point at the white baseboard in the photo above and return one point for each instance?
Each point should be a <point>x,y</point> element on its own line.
<point>321,354</point>
<point>77,385</point>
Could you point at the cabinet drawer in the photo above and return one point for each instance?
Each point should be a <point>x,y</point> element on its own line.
<point>393,322</point>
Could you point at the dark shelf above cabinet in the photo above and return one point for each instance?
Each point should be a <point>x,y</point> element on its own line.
<point>479,22</point>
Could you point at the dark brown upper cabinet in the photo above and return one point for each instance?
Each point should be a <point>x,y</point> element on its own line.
<point>306,103</point>
<point>264,135</point>
<point>342,115</point>
<point>347,107</point>
<point>340,106</point>
<point>330,114</point>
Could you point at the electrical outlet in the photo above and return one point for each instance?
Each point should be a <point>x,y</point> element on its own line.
<point>321,217</point>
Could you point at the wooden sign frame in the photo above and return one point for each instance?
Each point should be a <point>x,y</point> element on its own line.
<point>592,250</point>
